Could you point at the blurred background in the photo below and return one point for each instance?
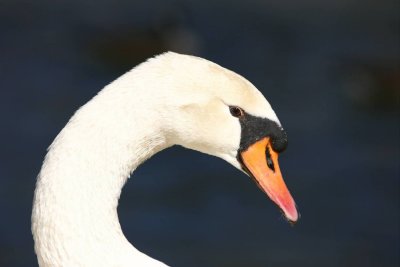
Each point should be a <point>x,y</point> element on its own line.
<point>330,69</point>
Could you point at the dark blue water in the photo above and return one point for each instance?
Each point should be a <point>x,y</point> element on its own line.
<point>330,70</point>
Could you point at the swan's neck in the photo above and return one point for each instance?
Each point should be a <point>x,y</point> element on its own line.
<point>74,219</point>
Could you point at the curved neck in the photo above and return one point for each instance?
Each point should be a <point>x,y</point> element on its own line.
<point>74,218</point>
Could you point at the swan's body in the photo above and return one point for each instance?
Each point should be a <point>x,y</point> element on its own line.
<point>171,99</point>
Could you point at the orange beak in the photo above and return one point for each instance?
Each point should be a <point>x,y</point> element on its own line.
<point>261,162</point>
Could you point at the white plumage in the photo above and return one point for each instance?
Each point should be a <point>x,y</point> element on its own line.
<point>170,99</point>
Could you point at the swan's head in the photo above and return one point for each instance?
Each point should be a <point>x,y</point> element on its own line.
<point>218,112</point>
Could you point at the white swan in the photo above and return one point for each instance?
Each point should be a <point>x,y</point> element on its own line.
<point>170,99</point>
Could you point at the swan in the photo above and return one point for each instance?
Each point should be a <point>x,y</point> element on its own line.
<point>171,99</point>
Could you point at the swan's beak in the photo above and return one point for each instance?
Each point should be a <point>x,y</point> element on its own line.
<point>261,163</point>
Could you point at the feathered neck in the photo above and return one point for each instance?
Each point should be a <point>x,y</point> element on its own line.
<point>74,218</point>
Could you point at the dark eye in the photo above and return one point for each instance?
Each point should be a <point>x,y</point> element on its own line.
<point>236,111</point>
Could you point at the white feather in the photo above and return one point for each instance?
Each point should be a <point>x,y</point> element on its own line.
<point>170,99</point>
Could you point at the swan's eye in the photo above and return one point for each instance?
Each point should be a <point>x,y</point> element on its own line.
<point>236,111</point>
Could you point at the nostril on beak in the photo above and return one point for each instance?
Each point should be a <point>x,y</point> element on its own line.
<point>270,163</point>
